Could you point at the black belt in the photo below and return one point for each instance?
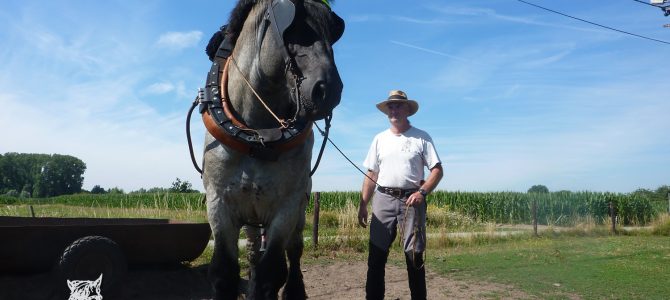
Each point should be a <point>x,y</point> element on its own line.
<point>396,192</point>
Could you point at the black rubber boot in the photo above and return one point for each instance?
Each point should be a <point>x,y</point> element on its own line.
<point>374,286</point>
<point>416,272</point>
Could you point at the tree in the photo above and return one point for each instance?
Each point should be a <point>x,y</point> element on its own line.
<point>97,190</point>
<point>116,190</point>
<point>538,189</point>
<point>179,186</point>
<point>17,170</point>
<point>662,192</point>
<point>60,175</point>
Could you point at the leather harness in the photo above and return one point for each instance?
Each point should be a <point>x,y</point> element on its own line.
<point>264,144</point>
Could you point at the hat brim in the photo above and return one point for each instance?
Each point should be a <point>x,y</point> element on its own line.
<point>413,106</point>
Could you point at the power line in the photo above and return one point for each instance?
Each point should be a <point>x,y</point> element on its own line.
<point>592,23</point>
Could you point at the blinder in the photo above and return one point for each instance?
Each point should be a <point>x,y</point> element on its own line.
<point>281,13</point>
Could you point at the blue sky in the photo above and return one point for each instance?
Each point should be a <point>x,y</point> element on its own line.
<point>512,95</point>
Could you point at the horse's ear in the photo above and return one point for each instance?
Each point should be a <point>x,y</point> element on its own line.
<point>338,27</point>
<point>71,285</point>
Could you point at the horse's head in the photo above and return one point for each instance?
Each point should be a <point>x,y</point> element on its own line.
<point>284,44</point>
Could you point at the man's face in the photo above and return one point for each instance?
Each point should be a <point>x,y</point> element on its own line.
<point>397,111</point>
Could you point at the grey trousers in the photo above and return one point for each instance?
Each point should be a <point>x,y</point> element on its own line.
<point>389,214</point>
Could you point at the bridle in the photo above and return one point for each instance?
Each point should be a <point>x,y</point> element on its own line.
<point>214,104</point>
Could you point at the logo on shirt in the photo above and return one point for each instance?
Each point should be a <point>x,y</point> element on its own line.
<point>406,146</point>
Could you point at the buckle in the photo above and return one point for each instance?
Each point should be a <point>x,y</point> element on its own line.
<point>392,191</point>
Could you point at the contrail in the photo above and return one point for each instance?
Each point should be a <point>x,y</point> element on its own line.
<point>431,51</point>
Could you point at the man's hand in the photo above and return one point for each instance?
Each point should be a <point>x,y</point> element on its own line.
<point>363,214</point>
<point>415,199</point>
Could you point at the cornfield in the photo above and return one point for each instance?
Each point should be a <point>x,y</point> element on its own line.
<point>558,208</point>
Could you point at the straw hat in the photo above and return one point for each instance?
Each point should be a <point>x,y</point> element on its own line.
<point>398,96</point>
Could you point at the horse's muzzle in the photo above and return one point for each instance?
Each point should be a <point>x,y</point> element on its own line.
<point>324,96</point>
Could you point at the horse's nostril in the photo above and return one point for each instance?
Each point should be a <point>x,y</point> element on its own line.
<point>319,91</point>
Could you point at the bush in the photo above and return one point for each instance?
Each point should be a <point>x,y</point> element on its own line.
<point>662,226</point>
<point>5,200</point>
<point>12,193</point>
<point>329,219</point>
<point>443,217</point>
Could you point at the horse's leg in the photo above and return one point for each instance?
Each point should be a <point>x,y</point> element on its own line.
<point>295,286</point>
<point>224,269</point>
<point>253,251</point>
<point>270,272</point>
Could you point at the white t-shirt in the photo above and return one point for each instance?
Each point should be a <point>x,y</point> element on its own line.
<point>399,160</point>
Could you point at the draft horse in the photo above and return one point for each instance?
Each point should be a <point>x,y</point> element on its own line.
<point>259,106</point>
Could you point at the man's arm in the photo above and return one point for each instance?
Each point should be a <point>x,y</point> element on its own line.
<point>367,191</point>
<point>428,186</point>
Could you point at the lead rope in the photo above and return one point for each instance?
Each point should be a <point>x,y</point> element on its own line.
<point>323,144</point>
<point>417,234</point>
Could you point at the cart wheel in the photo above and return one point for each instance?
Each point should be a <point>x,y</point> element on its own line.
<point>90,256</point>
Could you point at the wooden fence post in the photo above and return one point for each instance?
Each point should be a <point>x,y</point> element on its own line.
<point>315,227</point>
<point>669,202</point>
<point>534,210</point>
<point>613,216</point>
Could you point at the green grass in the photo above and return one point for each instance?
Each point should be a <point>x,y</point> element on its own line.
<point>617,267</point>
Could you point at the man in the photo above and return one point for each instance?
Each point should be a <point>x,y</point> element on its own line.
<point>395,163</point>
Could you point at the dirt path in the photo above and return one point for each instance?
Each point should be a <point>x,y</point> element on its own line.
<point>346,280</point>
<point>332,280</point>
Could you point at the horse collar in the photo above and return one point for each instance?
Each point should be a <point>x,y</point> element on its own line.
<point>264,144</point>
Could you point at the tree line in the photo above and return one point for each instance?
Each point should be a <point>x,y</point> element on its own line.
<point>40,175</point>
<point>178,186</point>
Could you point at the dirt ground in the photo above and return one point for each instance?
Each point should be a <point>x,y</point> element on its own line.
<point>336,280</point>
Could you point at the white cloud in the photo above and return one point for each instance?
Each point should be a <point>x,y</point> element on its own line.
<point>160,88</point>
<point>179,40</point>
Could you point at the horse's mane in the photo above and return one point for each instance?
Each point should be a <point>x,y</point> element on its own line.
<point>322,17</point>
<point>237,17</point>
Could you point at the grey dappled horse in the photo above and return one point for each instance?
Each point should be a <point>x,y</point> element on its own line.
<point>278,45</point>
